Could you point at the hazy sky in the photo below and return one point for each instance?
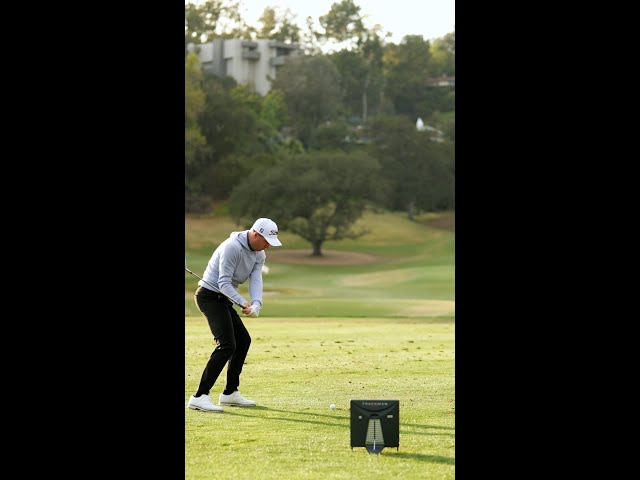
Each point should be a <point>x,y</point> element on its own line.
<point>429,18</point>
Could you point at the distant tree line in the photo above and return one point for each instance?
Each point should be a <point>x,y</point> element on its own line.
<point>337,131</point>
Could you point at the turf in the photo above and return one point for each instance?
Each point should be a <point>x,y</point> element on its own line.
<point>329,333</point>
<point>295,369</point>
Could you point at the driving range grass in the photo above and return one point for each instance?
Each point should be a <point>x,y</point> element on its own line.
<point>295,369</point>
<point>329,333</point>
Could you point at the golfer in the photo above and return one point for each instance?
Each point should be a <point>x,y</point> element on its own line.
<point>237,259</point>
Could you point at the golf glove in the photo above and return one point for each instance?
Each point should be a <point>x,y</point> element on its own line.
<point>255,310</point>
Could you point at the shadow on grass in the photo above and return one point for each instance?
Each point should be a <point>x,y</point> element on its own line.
<point>237,412</point>
<point>240,411</point>
<point>312,414</point>
<point>421,457</point>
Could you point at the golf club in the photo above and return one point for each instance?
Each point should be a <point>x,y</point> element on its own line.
<point>185,267</point>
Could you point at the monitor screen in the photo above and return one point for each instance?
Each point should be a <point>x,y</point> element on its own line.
<point>375,424</point>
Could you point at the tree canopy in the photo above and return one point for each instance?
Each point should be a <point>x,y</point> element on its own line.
<point>317,196</point>
<point>328,118</point>
<point>311,90</point>
<point>419,170</point>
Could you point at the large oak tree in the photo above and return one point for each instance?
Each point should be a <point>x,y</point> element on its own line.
<point>318,196</point>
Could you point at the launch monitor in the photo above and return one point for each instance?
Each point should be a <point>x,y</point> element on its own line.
<point>375,424</point>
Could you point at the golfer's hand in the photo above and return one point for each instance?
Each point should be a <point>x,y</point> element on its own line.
<point>254,310</point>
<point>246,308</point>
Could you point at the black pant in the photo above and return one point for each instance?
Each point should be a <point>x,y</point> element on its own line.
<point>230,335</point>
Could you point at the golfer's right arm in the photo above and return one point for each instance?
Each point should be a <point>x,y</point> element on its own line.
<point>227,268</point>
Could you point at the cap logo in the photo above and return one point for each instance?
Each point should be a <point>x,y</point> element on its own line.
<point>273,232</point>
<point>261,230</point>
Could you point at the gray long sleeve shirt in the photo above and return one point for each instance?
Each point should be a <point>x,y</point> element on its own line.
<point>233,263</point>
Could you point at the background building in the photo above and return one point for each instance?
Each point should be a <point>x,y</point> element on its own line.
<point>250,62</point>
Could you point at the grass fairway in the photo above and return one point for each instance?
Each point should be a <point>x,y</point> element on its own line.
<point>295,369</point>
<point>372,319</point>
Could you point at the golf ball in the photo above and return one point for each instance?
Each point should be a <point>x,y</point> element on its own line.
<point>332,406</point>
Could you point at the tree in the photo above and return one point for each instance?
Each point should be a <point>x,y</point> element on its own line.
<point>238,120</point>
<point>195,143</point>
<point>274,109</point>
<point>408,69</point>
<point>241,128</point>
<point>309,39</point>
<point>281,28</point>
<point>443,63</point>
<point>361,84</point>
<point>420,171</point>
<point>203,22</point>
<point>344,23</point>
<point>212,19</point>
<point>311,90</point>
<point>268,21</point>
<point>438,192</point>
<point>332,136</point>
<point>443,52</point>
<point>317,196</point>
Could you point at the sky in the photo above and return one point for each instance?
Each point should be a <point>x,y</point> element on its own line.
<point>429,18</point>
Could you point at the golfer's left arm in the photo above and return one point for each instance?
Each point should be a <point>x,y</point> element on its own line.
<point>255,286</point>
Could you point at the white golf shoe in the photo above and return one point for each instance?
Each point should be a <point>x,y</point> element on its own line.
<point>203,402</point>
<point>235,399</point>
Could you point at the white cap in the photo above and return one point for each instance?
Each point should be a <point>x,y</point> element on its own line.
<point>268,229</point>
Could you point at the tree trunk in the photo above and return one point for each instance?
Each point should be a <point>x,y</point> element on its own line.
<point>317,249</point>
<point>410,210</point>
<point>364,99</point>
<point>364,108</point>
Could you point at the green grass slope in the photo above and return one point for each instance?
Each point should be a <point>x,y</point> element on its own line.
<point>409,270</point>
